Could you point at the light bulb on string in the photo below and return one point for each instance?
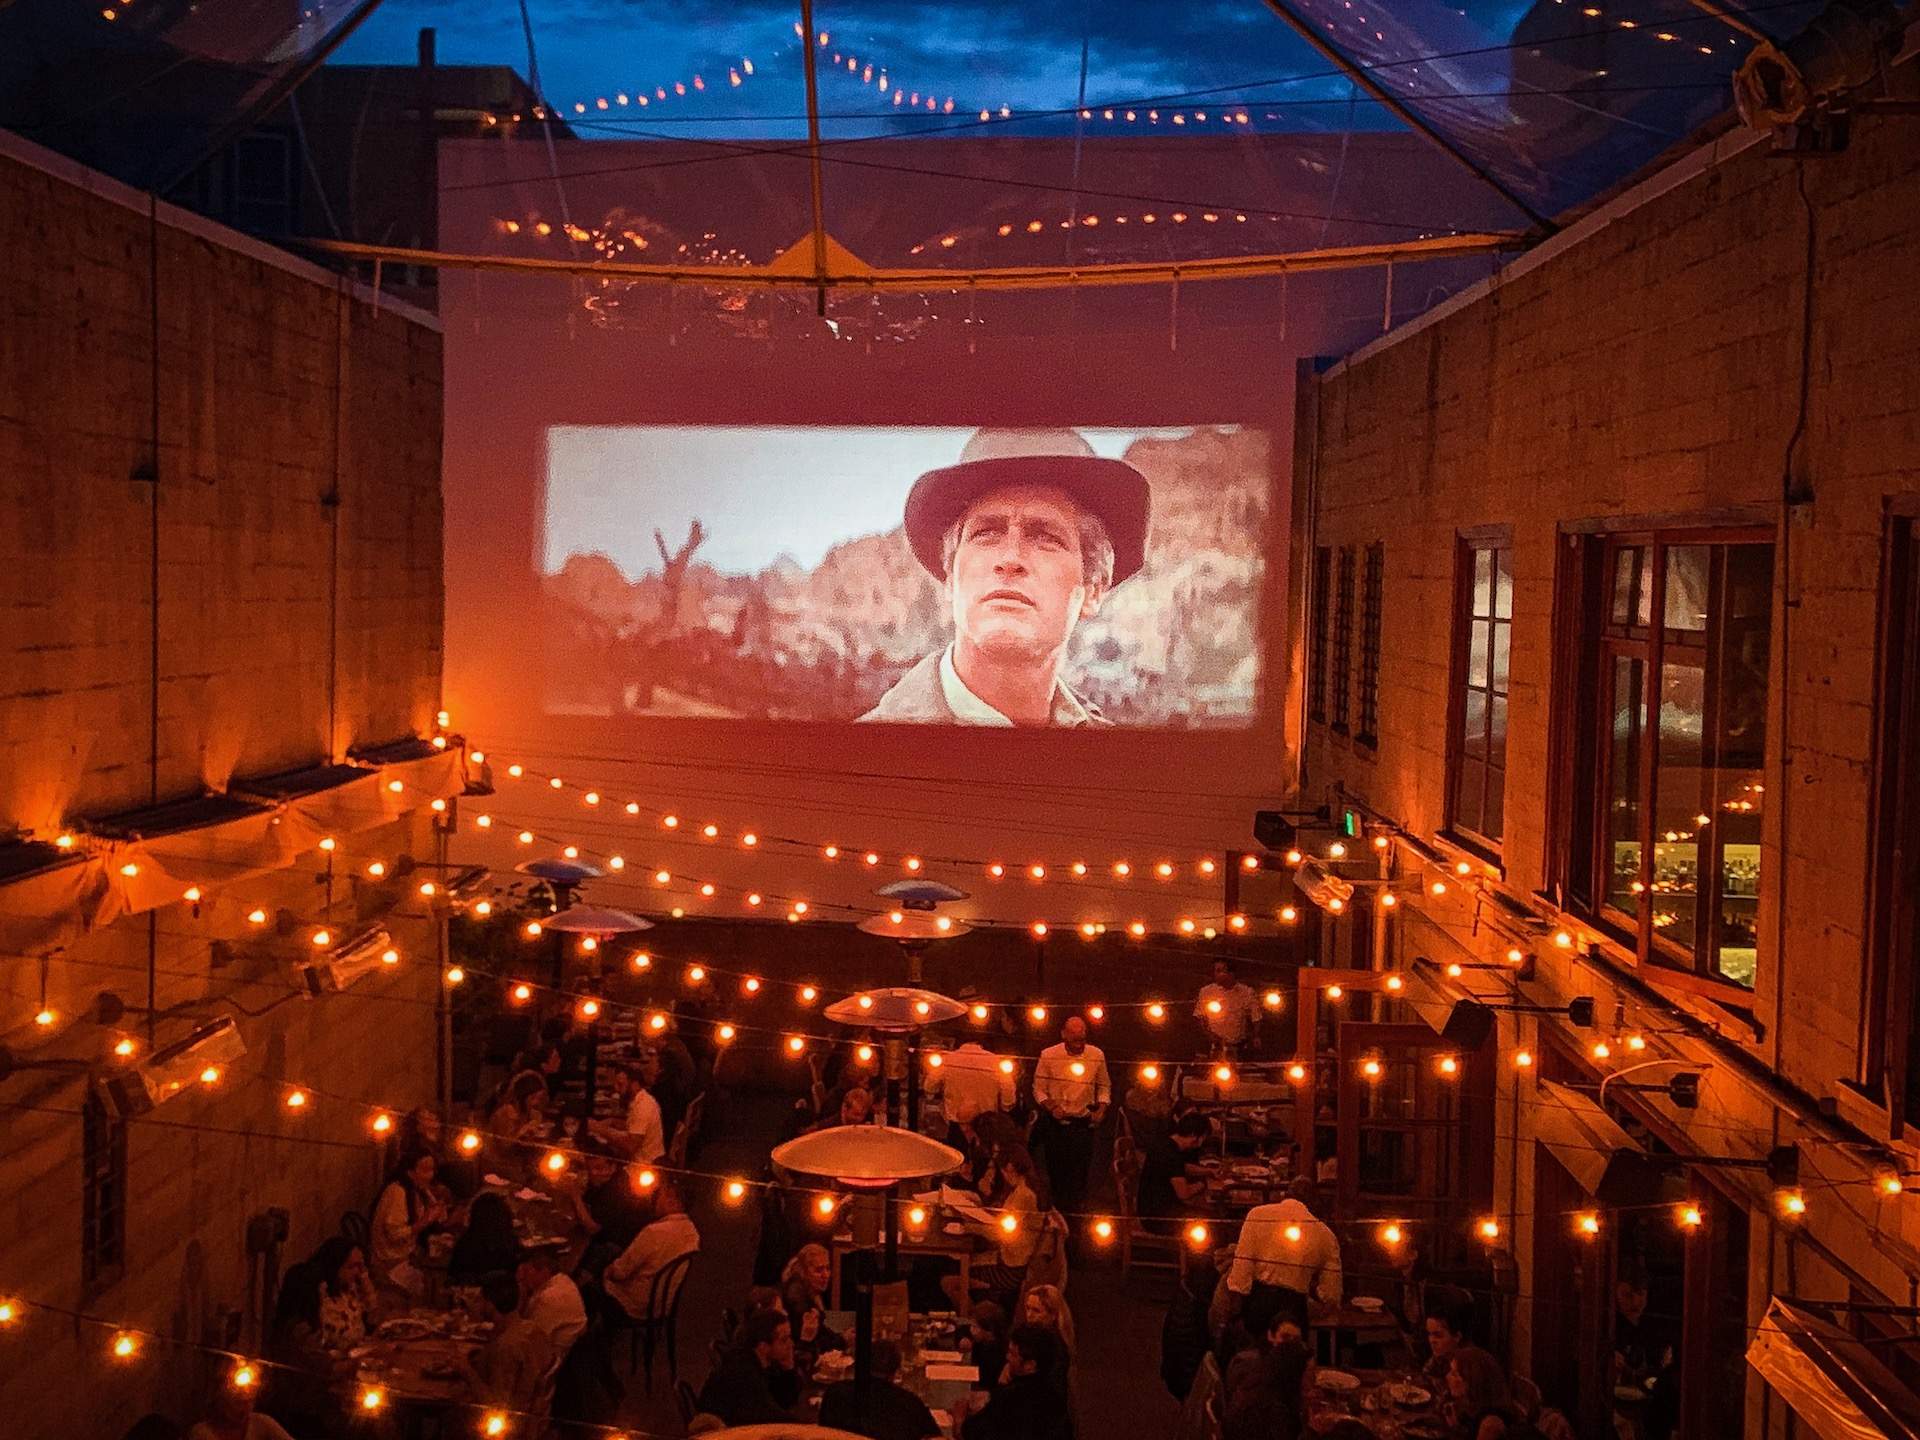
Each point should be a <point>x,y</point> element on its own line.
<point>1198,1235</point>
<point>1587,1225</point>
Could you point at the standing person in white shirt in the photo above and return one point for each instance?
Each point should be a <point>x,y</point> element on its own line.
<point>1073,1090</point>
<point>550,1300</point>
<point>1284,1248</point>
<point>971,1081</point>
<point>1229,1010</point>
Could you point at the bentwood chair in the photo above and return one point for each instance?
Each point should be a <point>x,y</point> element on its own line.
<point>1140,1248</point>
<point>644,1332</point>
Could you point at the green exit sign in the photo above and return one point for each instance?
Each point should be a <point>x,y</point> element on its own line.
<point>1350,823</point>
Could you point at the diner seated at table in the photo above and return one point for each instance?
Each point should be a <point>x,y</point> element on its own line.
<point>488,1244</point>
<point>1448,1318</point>
<point>550,1299</point>
<point>608,1205</point>
<point>1263,1395</point>
<point>1018,1193</point>
<point>985,1343</point>
<point>1284,1247</point>
<point>513,1369</point>
<point>231,1416</point>
<point>739,1390</point>
<point>668,1234</point>
<point>542,1060</point>
<point>299,1389</point>
<point>1027,1404</point>
<point>1479,1405</point>
<point>408,1208</point>
<point>881,1408</point>
<point>1169,1188</point>
<point>641,1134</point>
<point>347,1299</point>
<point>803,1293</point>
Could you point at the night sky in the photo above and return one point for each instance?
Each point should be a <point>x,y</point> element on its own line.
<point>981,54</point>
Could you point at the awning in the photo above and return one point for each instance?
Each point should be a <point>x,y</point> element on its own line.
<point>143,860</point>
<point>1835,1383</point>
<point>1603,1158</point>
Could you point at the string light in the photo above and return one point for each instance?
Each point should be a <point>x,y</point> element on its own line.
<point>554,1162</point>
<point>469,1141</point>
<point>1522,1059</point>
<point>45,1018</point>
<point>1391,1234</point>
<point>123,1048</point>
<point>1038,1014</point>
<point>126,1345</point>
<point>1690,1217</point>
<point>1449,1065</point>
<point>244,1377</point>
<point>1103,1230</point>
<point>381,1124</point>
<point>296,1100</point>
<point>1296,1072</point>
<point>1588,1225</point>
<point>736,1190</point>
<point>1198,1235</point>
<point>494,1424</point>
<point>1293,1234</point>
<point>372,1398</point>
<point>1489,1228</point>
<point>1150,1074</point>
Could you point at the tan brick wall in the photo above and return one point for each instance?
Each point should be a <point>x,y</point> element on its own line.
<point>281,643</point>
<point>1653,368</point>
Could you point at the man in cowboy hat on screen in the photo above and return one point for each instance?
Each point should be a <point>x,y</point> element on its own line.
<point>1027,534</point>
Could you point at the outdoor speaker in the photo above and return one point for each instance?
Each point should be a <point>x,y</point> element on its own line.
<point>1468,1025</point>
<point>1274,830</point>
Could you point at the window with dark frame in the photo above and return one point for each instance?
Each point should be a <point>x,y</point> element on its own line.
<point>1322,623</point>
<point>1373,579</point>
<point>1340,681</point>
<point>103,1208</point>
<point>1482,642</point>
<point>1893,888</point>
<point>1665,772</point>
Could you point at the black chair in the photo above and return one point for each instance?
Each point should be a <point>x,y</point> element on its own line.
<point>356,1228</point>
<point>644,1332</point>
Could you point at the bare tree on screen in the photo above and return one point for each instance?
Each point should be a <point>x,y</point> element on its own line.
<point>673,573</point>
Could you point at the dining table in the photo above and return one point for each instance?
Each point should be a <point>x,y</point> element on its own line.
<point>414,1362</point>
<point>1392,1404</point>
<point>933,1365</point>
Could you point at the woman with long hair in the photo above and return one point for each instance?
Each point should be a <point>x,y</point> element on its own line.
<point>407,1209</point>
<point>1478,1400</point>
<point>803,1289</point>
<point>346,1292</point>
<point>1015,1231</point>
<point>488,1245</point>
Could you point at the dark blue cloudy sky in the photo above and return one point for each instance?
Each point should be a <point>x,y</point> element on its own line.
<point>1023,54</point>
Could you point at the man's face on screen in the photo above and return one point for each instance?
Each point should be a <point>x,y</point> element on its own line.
<point>1018,585</point>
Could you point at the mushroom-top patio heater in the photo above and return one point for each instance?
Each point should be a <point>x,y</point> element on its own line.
<point>563,877</point>
<point>873,1161</point>
<point>898,1014</point>
<point>911,921</point>
<point>599,924</point>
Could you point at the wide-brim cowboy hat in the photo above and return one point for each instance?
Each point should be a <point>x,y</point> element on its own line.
<point>1112,490</point>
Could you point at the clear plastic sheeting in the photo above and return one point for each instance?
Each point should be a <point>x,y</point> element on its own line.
<point>1559,100</point>
<point>144,89</point>
<point>1834,1383</point>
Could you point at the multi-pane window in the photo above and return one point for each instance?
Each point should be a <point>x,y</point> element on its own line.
<point>1373,579</point>
<point>1482,638</point>
<point>1340,681</point>
<point>103,1204</point>
<point>1322,626</point>
<point>1893,921</point>
<point>1679,648</point>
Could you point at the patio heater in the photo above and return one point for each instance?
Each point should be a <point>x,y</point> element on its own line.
<point>898,1015</point>
<point>873,1161</point>
<point>590,921</point>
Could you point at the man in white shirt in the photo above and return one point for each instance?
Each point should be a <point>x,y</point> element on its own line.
<point>642,1133</point>
<point>970,1082</point>
<point>1283,1247</point>
<point>1073,1090</point>
<point>1229,1010</point>
<point>668,1236</point>
<point>550,1300</point>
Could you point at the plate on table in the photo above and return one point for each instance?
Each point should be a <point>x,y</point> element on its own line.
<point>405,1327</point>
<point>497,1181</point>
<point>954,1227</point>
<point>1411,1396</point>
<point>1372,1304</point>
<point>1338,1381</point>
